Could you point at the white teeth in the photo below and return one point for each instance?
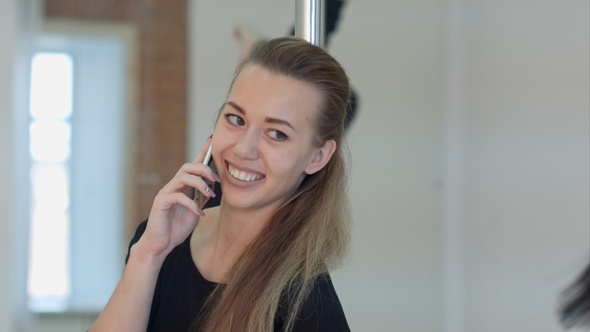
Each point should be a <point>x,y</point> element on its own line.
<point>243,176</point>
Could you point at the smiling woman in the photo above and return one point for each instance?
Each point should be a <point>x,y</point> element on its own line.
<point>267,133</point>
<point>261,260</point>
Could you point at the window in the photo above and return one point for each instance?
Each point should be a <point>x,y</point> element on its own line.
<point>77,154</point>
<point>50,146</point>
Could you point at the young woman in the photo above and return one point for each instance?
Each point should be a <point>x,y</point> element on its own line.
<point>261,260</point>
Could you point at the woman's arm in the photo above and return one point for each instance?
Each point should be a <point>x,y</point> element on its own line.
<point>129,307</point>
<point>172,218</point>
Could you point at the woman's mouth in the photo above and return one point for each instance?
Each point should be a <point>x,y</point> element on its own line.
<point>243,175</point>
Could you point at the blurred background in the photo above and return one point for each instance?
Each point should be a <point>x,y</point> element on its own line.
<point>469,152</point>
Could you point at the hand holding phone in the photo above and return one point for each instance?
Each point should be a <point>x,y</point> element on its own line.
<point>199,197</point>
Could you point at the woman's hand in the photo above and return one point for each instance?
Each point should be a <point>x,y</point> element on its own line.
<point>174,215</point>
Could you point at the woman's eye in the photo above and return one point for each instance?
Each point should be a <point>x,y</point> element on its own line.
<point>234,119</point>
<point>277,135</point>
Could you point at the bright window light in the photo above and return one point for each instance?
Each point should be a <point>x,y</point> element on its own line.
<point>50,141</point>
<point>50,187</point>
<point>50,132</point>
<point>49,255</point>
<point>51,86</point>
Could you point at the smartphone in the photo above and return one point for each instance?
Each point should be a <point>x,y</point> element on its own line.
<point>199,197</point>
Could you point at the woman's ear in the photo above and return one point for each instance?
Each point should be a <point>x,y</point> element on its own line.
<point>321,157</point>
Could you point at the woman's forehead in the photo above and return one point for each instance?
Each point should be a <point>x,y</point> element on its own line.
<point>258,89</point>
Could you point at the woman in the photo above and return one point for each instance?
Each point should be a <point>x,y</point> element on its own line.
<point>259,261</point>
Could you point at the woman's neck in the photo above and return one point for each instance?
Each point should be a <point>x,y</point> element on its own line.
<point>239,227</point>
<point>222,236</point>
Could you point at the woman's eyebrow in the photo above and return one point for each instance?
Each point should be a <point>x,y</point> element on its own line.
<point>237,107</point>
<point>279,121</point>
<point>267,119</point>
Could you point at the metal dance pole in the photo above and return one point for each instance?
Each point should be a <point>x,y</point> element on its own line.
<point>309,21</point>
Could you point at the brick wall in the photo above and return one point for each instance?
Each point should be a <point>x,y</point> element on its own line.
<point>160,133</point>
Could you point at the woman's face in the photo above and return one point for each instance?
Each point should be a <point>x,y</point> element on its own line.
<point>262,142</point>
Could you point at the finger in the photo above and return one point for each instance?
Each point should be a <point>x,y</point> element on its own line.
<point>190,175</point>
<point>197,183</point>
<point>201,200</point>
<point>189,204</point>
<point>203,152</point>
<point>208,173</point>
<point>209,190</point>
<point>200,170</point>
<point>181,199</point>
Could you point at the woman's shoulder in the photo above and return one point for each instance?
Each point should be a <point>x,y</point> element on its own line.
<point>322,310</point>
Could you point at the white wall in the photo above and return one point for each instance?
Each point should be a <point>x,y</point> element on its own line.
<point>526,217</point>
<point>16,25</point>
<point>393,52</point>
<point>8,34</point>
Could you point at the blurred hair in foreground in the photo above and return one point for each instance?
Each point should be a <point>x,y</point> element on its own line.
<point>575,302</point>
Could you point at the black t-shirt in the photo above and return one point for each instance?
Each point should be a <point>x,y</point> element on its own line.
<point>181,291</point>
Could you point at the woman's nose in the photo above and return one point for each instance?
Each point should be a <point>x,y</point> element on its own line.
<point>247,146</point>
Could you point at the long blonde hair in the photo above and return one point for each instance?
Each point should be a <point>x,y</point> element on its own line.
<point>309,235</point>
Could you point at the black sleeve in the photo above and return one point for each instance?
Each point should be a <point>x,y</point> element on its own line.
<point>138,233</point>
<point>322,310</point>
